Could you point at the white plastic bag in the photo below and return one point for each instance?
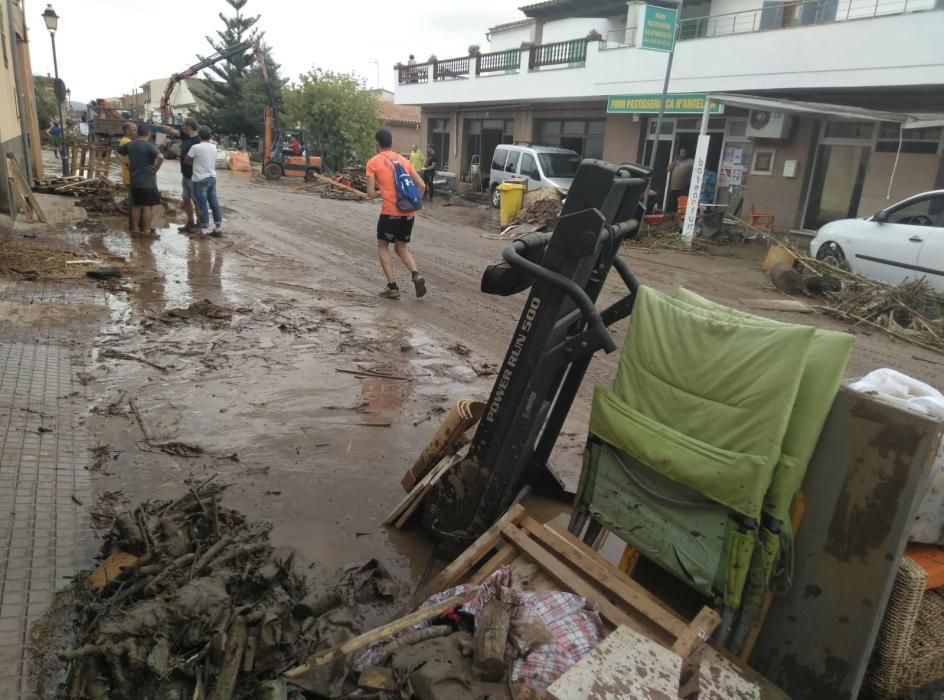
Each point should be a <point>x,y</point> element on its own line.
<point>921,398</point>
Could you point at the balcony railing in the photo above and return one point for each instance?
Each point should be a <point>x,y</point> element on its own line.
<point>559,53</point>
<point>498,61</point>
<point>452,69</point>
<point>416,73</point>
<point>794,14</point>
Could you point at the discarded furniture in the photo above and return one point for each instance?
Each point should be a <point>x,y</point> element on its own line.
<point>692,465</point>
<point>909,651</point>
<point>761,219</point>
<point>559,331</point>
<point>861,491</point>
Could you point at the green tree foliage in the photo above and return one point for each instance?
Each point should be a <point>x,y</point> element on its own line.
<point>47,108</point>
<point>234,90</point>
<point>338,114</point>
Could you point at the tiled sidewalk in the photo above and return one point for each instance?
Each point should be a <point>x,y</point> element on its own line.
<point>45,488</point>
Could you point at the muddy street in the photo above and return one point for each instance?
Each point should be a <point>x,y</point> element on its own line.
<point>266,358</point>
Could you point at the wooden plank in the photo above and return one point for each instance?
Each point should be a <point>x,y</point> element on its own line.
<point>624,665</point>
<point>567,576</point>
<point>628,560</point>
<point>778,305</point>
<point>505,555</point>
<point>416,493</point>
<point>618,582</point>
<point>379,634</point>
<point>378,678</point>
<point>23,185</point>
<point>460,566</point>
<point>697,633</point>
<point>434,476</point>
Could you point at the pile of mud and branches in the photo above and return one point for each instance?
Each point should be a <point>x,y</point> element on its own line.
<point>191,601</point>
<point>666,236</point>
<point>910,311</point>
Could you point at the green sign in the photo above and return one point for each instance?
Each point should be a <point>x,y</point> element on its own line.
<point>658,28</point>
<point>675,103</point>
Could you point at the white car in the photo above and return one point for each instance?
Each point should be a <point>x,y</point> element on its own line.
<point>900,243</point>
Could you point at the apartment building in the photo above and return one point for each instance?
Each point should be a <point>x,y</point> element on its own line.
<point>811,95</point>
<point>183,102</point>
<point>19,129</point>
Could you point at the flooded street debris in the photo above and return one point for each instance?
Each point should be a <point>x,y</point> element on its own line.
<point>192,600</point>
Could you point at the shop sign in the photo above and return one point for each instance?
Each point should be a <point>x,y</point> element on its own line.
<point>658,28</point>
<point>678,103</point>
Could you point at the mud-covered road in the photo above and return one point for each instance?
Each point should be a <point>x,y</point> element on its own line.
<point>268,394</point>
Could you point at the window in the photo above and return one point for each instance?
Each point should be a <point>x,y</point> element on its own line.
<point>912,140</point>
<point>511,165</point>
<point>763,161</point>
<point>737,128</point>
<point>529,167</point>
<point>585,136</point>
<point>498,160</point>
<point>925,212</point>
<point>849,130</point>
<point>560,165</point>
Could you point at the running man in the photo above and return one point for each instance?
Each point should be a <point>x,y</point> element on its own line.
<point>394,225</point>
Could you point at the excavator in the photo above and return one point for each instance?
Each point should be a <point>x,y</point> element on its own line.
<point>277,158</point>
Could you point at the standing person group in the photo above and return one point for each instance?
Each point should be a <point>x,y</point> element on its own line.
<point>395,224</point>
<point>144,160</point>
<point>188,139</point>
<point>202,158</point>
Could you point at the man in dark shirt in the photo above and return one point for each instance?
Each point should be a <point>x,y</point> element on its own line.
<point>188,138</point>
<point>144,160</point>
<point>429,172</point>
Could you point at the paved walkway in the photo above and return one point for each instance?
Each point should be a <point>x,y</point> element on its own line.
<point>45,487</point>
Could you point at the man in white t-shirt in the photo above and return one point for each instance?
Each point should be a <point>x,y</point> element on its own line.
<point>203,158</point>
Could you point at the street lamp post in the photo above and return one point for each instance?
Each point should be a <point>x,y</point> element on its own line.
<point>52,23</point>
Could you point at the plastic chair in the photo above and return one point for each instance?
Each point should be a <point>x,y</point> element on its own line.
<point>761,219</point>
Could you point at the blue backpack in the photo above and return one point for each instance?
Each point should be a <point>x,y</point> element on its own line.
<point>408,197</point>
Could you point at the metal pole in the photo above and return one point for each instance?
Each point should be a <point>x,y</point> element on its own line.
<point>62,122</point>
<point>665,91</point>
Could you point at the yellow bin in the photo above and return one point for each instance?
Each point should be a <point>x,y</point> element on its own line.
<point>512,194</point>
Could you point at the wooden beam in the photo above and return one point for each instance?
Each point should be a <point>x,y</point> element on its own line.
<point>379,634</point>
<point>562,532</point>
<point>460,566</point>
<point>505,555</point>
<point>567,576</point>
<point>697,633</point>
<point>607,576</point>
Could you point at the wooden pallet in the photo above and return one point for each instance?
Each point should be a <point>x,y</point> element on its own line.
<point>566,563</point>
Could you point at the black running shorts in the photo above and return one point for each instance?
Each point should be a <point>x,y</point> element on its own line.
<point>394,229</point>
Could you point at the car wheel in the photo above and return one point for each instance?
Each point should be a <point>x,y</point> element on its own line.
<point>831,254</point>
<point>496,197</point>
<point>272,171</point>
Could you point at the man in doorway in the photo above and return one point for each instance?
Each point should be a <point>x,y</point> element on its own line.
<point>188,139</point>
<point>429,172</point>
<point>417,159</point>
<point>129,132</point>
<point>395,225</point>
<point>680,178</point>
<point>144,160</point>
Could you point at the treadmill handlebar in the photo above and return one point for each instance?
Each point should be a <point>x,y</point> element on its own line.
<point>569,287</point>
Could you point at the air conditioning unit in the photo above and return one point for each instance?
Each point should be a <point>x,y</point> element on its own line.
<point>763,124</point>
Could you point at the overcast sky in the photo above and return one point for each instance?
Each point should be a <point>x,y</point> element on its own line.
<point>106,47</point>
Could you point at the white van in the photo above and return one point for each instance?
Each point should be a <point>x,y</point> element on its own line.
<point>544,166</point>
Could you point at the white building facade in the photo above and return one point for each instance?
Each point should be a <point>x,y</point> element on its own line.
<point>575,73</point>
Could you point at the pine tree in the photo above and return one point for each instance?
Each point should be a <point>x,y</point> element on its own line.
<point>235,94</point>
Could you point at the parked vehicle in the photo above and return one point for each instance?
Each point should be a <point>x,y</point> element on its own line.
<point>901,242</point>
<point>542,165</point>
